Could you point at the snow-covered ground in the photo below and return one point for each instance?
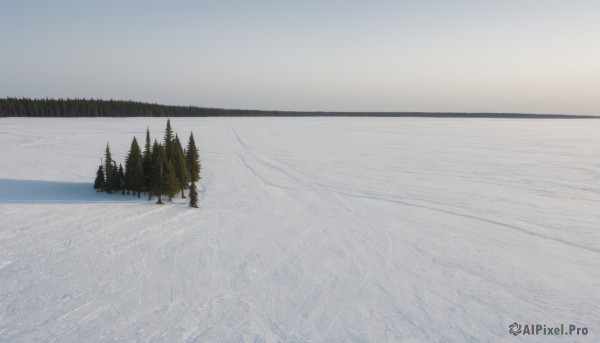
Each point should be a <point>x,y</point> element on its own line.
<point>309,229</point>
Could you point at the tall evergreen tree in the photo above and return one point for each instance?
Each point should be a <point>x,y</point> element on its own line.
<point>115,183</point>
<point>168,140</point>
<point>192,159</point>
<point>181,169</point>
<point>134,170</point>
<point>137,177</point>
<point>108,169</point>
<point>157,171</point>
<point>99,182</point>
<point>147,162</point>
<point>193,196</point>
<point>130,160</point>
<point>121,175</point>
<point>170,182</point>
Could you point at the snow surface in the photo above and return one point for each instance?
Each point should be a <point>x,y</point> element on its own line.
<point>309,229</point>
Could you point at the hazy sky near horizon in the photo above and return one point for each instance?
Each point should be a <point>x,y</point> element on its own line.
<point>534,56</point>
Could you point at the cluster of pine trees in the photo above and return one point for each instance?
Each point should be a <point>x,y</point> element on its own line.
<point>161,169</point>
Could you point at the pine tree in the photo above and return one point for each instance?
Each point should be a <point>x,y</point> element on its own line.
<point>168,140</point>
<point>130,162</point>
<point>147,162</point>
<point>121,179</point>
<point>137,177</point>
<point>134,170</point>
<point>108,169</point>
<point>114,177</point>
<point>181,169</point>
<point>193,196</point>
<point>192,159</point>
<point>170,183</point>
<point>157,172</point>
<point>99,182</point>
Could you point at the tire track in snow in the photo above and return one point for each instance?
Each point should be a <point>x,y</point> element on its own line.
<point>96,295</point>
<point>481,219</point>
<point>343,307</point>
<point>308,183</point>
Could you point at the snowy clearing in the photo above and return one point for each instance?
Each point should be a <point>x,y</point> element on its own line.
<point>309,229</point>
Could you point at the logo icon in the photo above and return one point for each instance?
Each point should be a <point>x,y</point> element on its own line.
<point>514,328</point>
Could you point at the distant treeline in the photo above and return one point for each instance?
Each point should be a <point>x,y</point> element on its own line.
<point>25,107</point>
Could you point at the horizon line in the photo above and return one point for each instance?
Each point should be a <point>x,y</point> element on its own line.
<point>284,113</point>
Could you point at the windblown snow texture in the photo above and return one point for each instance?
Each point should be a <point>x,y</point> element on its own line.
<point>309,229</point>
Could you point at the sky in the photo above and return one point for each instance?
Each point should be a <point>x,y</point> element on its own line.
<point>527,56</point>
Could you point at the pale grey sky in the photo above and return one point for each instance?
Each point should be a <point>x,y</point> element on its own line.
<point>539,56</point>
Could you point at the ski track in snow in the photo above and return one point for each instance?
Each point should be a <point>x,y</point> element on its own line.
<point>309,230</point>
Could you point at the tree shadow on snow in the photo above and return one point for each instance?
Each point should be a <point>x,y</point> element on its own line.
<point>42,192</point>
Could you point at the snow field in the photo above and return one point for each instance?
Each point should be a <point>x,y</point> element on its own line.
<point>309,229</point>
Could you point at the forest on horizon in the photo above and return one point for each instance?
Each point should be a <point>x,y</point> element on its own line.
<point>27,107</point>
